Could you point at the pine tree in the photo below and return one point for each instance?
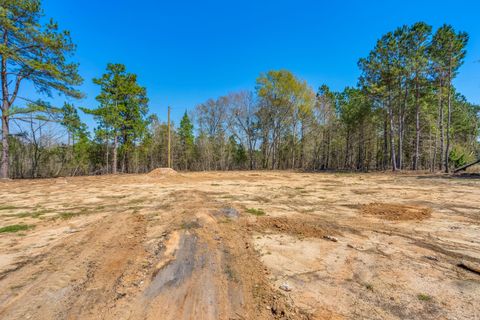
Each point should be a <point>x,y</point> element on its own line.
<point>36,53</point>
<point>122,111</point>
<point>185,133</point>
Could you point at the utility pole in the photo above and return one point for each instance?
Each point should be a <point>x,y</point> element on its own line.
<point>169,160</point>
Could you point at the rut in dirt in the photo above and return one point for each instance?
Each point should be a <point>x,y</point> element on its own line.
<point>80,277</point>
<point>208,270</point>
<point>193,262</point>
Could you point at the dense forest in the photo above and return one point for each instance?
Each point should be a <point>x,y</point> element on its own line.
<point>403,114</point>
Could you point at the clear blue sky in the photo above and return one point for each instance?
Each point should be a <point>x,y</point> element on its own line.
<point>188,51</point>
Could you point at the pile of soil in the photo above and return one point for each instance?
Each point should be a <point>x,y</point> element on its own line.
<point>396,211</point>
<point>162,172</point>
<point>295,227</point>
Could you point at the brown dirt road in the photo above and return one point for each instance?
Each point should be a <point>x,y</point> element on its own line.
<point>184,246</point>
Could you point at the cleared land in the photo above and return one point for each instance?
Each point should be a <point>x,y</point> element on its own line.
<point>240,245</point>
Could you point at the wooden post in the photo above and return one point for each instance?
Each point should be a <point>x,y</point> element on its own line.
<point>169,159</point>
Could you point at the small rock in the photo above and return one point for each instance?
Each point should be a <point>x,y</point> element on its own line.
<point>433,258</point>
<point>330,238</point>
<point>285,287</point>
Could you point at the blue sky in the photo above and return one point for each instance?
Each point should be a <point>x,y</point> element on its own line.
<point>185,52</point>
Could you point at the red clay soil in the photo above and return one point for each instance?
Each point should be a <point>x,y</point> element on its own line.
<point>390,211</point>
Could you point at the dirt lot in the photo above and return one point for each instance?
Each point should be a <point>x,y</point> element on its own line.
<point>240,245</point>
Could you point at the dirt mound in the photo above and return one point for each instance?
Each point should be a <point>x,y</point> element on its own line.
<point>296,227</point>
<point>162,172</point>
<point>396,211</point>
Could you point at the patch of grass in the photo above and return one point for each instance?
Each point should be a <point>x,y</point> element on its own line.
<point>33,214</point>
<point>8,207</point>
<point>424,297</point>
<point>28,214</point>
<point>67,215</point>
<point>15,228</point>
<point>111,196</point>
<point>256,212</point>
<point>70,214</point>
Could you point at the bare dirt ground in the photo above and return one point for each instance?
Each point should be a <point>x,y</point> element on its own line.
<point>241,245</point>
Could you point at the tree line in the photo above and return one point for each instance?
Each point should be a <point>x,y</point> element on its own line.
<point>403,114</point>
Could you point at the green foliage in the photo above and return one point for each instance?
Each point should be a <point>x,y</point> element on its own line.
<point>353,106</point>
<point>71,121</point>
<point>447,51</point>
<point>236,153</point>
<point>122,111</point>
<point>123,103</point>
<point>187,140</point>
<point>284,94</point>
<point>37,52</point>
<point>7,207</point>
<point>457,158</point>
<point>256,212</point>
<point>240,155</point>
<point>15,228</point>
<point>405,112</point>
<point>285,101</point>
<point>424,297</point>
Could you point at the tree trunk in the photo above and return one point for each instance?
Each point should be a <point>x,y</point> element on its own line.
<point>361,160</point>
<point>449,116</point>
<point>250,153</point>
<point>294,137</point>
<point>385,144</point>
<point>5,108</point>
<point>5,146</point>
<point>115,149</point>
<point>440,123</point>
<point>392,137</point>
<point>401,126</point>
<point>327,158</point>
<point>347,148</point>
<point>417,128</point>
<point>302,145</point>
<point>107,151</point>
